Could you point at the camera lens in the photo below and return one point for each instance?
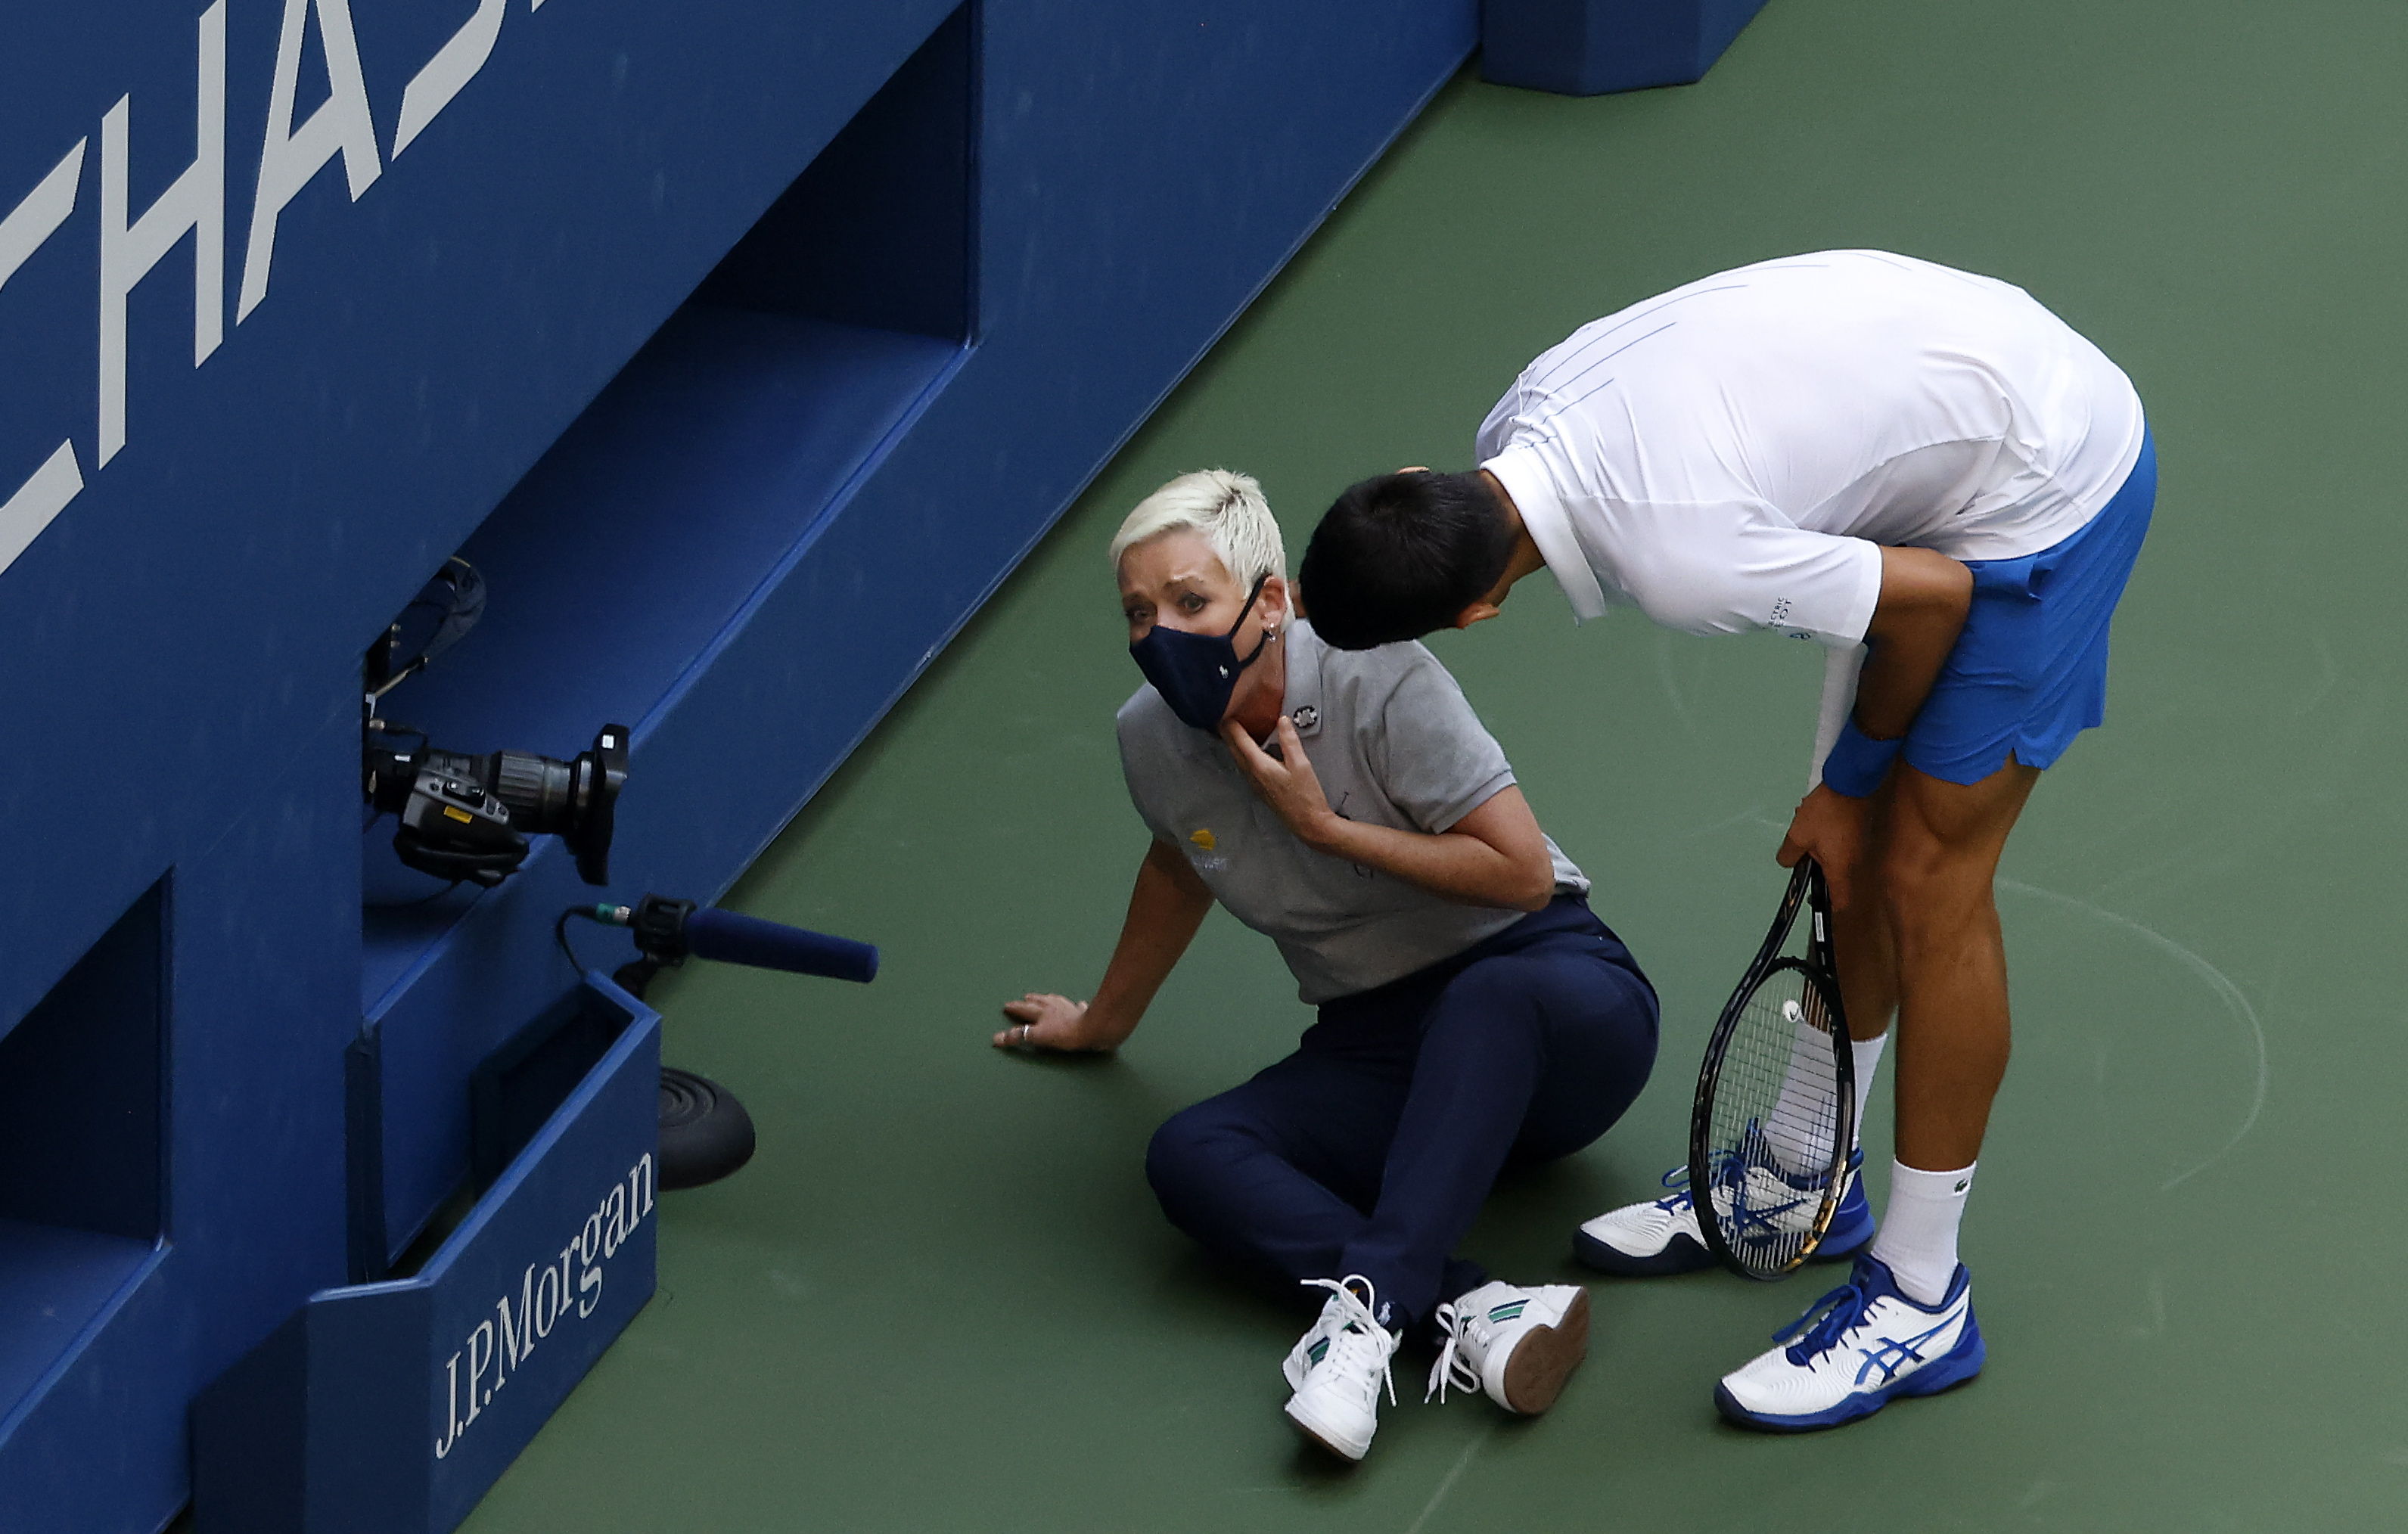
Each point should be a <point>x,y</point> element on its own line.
<point>575,801</point>
<point>598,774</point>
<point>540,791</point>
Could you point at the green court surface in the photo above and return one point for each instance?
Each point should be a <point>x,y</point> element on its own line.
<point>941,1297</point>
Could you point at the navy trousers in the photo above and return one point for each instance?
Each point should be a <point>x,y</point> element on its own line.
<point>1372,1148</point>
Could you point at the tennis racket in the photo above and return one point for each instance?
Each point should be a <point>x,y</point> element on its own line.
<point>1774,1118</point>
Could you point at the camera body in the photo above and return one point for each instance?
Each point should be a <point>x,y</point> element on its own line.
<point>468,818</point>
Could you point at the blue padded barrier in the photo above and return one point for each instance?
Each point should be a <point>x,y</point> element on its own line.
<point>82,1210</point>
<point>743,499</point>
<point>390,1408</point>
<point>1586,47</point>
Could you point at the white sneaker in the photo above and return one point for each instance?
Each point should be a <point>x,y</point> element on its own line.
<point>1313,1344</point>
<point>1661,1237</point>
<point>1858,1348</point>
<point>1519,1345</point>
<point>1339,1367</point>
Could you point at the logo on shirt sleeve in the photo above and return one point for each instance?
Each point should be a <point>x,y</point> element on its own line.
<point>1205,859</point>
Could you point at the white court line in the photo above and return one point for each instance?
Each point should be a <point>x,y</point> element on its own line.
<point>2217,982</point>
<point>1754,814</point>
<point>1461,1463</point>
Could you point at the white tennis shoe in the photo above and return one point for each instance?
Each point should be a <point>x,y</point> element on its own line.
<point>1854,1351</point>
<point>1519,1345</point>
<point>1661,1237</point>
<point>1337,1369</point>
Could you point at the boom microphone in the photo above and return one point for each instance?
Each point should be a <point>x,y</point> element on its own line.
<point>705,1132</point>
<point>722,935</point>
<point>668,931</point>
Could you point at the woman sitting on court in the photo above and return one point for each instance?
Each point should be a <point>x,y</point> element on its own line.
<point>1473,1012</point>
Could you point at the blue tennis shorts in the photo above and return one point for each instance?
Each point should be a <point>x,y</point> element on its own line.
<point>2029,671</point>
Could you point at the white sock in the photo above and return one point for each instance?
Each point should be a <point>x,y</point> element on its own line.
<point>1800,1126</point>
<point>1918,1229</point>
<point>1866,1054</point>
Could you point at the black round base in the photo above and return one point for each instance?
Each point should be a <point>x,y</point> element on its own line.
<point>705,1132</point>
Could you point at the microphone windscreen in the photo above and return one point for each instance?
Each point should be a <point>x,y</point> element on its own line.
<point>731,938</point>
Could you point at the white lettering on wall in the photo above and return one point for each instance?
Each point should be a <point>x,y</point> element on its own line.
<point>60,478</point>
<point>454,64</point>
<point>23,517</point>
<point>498,1347</point>
<point>288,160</point>
<point>195,203</point>
<point>39,216</point>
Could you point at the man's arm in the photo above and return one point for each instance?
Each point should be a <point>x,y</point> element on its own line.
<point>1167,906</point>
<point>1924,599</point>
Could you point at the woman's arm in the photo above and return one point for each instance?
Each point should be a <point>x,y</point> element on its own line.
<point>1164,909</point>
<point>1493,856</point>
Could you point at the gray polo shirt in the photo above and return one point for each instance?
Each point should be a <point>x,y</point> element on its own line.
<point>1393,743</point>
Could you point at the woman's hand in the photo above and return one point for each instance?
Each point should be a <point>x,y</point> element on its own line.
<point>1286,783</point>
<point>1047,1022</point>
<point>1164,909</point>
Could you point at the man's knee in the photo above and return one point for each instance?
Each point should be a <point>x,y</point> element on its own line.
<point>1927,882</point>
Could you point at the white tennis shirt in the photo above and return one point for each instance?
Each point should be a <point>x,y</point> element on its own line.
<point>1729,456</point>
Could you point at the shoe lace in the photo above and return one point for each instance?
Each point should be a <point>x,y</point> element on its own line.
<point>1826,1321</point>
<point>1723,1168</point>
<point>1678,1199</point>
<point>1452,1366</point>
<point>1355,1347</point>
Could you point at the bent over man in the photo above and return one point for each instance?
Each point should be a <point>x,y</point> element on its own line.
<point>1917,466</point>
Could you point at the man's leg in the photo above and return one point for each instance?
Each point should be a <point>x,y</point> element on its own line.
<point>1868,957</point>
<point>1904,1325</point>
<point>1860,937</point>
<point>1939,854</point>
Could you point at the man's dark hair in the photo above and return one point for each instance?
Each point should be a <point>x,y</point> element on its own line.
<point>1401,555</point>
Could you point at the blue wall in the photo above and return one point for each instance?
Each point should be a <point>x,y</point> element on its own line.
<point>179,646</point>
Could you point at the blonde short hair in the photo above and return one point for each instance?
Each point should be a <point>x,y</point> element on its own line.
<point>1227,509</point>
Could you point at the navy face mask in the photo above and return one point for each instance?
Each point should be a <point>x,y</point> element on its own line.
<point>1197,673</point>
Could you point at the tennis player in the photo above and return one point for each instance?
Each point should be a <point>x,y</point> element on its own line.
<point>1879,454</point>
<point>1474,1014</point>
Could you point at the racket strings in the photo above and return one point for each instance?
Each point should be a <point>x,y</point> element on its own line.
<point>1776,1122</point>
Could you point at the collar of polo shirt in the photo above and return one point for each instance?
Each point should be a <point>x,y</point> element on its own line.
<point>1302,701</point>
<point>1525,477</point>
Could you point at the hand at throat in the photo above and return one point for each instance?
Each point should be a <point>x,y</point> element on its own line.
<point>1263,692</point>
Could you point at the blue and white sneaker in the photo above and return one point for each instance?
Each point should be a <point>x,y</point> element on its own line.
<point>1659,1237</point>
<point>1856,1350</point>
